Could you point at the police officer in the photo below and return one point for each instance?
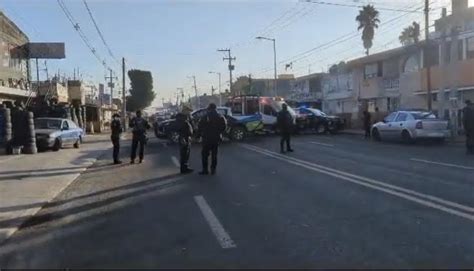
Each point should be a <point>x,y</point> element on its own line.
<point>139,125</point>
<point>185,131</point>
<point>468,122</point>
<point>211,128</point>
<point>116,127</point>
<point>367,119</point>
<point>285,124</point>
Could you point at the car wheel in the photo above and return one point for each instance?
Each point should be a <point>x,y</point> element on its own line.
<point>174,137</point>
<point>376,135</point>
<point>238,133</point>
<point>406,137</point>
<point>321,129</point>
<point>78,143</point>
<point>57,144</point>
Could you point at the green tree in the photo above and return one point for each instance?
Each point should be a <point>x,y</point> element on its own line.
<point>368,20</point>
<point>141,91</point>
<point>410,34</point>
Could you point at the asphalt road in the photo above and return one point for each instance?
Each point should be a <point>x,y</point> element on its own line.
<point>337,202</point>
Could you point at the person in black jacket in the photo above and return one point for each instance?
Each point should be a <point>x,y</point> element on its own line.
<point>185,131</point>
<point>285,124</point>
<point>116,127</point>
<point>468,122</point>
<point>211,128</point>
<point>367,123</point>
<point>139,125</point>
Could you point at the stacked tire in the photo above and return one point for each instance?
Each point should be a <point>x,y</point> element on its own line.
<point>6,127</point>
<point>30,144</point>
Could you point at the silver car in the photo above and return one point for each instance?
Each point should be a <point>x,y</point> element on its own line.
<point>409,126</point>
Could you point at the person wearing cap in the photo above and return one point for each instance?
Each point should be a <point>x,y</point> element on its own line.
<point>211,128</point>
<point>116,128</point>
<point>185,131</point>
<point>468,122</point>
<point>139,126</point>
<point>285,125</point>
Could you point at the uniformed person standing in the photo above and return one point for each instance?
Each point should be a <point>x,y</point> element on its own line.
<point>185,131</point>
<point>211,128</point>
<point>116,127</point>
<point>139,126</point>
<point>468,122</point>
<point>285,124</point>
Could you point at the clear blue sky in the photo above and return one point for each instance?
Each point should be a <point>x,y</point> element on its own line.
<point>176,39</point>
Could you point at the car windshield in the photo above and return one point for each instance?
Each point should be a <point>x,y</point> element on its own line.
<point>423,115</point>
<point>48,124</point>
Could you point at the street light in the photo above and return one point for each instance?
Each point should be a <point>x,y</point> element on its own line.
<point>220,93</point>
<point>274,62</point>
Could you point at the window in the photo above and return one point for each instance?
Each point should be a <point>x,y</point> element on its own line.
<point>423,115</point>
<point>470,48</point>
<point>267,110</point>
<point>402,117</point>
<point>434,97</point>
<point>390,117</point>
<point>412,64</point>
<point>65,125</point>
<point>370,70</point>
<point>71,124</point>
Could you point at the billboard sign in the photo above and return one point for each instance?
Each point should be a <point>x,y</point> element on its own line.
<point>46,50</point>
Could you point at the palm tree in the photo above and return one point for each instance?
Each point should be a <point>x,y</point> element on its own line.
<point>410,34</point>
<point>368,19</point>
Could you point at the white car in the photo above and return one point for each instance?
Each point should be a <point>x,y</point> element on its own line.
<point>410,126</point>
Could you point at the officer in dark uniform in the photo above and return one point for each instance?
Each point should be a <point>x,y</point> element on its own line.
<point>468,122</point>
<point>211,128</point>
<point>139,126</point>
<point>285,124</point>
<point>185,131</point>
<point>116,127</point>
<point>367,119</point>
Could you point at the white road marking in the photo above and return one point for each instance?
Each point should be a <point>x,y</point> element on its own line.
<point>441,163</point>
<point>222,236</point>
<point>175,161</point>
<point>377,185</point>
<point>322,144</point>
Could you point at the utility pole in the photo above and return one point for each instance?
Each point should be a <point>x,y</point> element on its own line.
<point>426,58</point>
<point>124,97</point>
<point>231,67</point>
<point>111,85</point>
<point>212,90</point>
<point>250,84</point>
<point>442,65</point>
<point>198,101</point>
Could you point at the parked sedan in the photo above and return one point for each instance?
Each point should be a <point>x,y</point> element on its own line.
<point>317,120</point>
<point>410,126</point>
<point>56,133</point>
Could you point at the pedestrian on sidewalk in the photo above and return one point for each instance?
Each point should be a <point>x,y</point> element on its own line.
<point>285,124</point>
<point>185,131</point>
<point>468,122</point>
<point>211,128</point>
<point>139,126</point>
<point>367,123</point>
<point>116,127</point>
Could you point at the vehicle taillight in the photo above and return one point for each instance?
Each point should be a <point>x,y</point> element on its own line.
<point>419,125</point>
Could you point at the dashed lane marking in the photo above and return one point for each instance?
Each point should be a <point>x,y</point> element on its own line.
<point>322,144</point>
<point>222,236</point>
<point>441,163</point>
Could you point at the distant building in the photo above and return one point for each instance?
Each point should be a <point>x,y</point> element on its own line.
<point>14,66</point>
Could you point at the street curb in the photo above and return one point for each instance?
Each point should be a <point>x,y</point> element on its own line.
<point>6,233</point>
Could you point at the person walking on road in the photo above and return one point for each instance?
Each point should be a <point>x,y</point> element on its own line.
<point>367,123</point>
<point>285,124</point>
<point>116,127</point>
<point>185,132</point>
<point>468,122</point>
<point>139,126</point>
<point>211,128</point>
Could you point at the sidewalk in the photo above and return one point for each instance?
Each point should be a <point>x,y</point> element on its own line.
<point>28,182</point>
<point>360,132</point>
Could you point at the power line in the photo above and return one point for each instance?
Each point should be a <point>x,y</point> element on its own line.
<point>84,38</point>
<point>99,32</point>
<point>353,6</point>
